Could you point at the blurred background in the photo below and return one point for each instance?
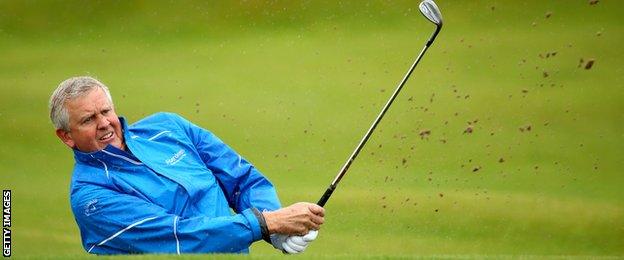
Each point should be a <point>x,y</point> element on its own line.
<point>506,141</point>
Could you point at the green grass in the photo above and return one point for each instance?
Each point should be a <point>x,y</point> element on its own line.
<point>293,86</point>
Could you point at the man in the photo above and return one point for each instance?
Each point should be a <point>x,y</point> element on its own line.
<point>165,185</point>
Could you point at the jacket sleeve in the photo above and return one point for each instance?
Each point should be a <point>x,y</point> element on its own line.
<point>243,185</point>
<point>115,223</point>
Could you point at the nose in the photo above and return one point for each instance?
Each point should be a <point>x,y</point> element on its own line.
<point>102,122</point>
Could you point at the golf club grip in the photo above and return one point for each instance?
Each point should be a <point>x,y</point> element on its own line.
<point>326,195</point>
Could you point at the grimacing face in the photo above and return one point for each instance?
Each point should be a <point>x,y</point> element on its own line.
<point>93,123</point>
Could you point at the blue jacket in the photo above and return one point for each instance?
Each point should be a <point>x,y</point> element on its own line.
<point>173,192</point>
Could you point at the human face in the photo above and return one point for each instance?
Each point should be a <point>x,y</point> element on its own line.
<point>93,123</point>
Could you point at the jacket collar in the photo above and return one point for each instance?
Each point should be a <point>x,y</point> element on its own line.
<point>110,154</point>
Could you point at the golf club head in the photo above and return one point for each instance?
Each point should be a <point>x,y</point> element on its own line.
<point>430,10</point>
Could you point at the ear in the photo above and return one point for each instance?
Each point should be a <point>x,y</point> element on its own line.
<point>65,137</point>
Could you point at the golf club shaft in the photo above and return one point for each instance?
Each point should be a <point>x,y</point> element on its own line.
<point>355,153</point>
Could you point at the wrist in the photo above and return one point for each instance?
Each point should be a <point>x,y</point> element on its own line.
<point>270,221</point>
<point>263,225</point>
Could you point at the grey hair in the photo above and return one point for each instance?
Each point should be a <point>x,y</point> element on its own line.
<point>68,90</point>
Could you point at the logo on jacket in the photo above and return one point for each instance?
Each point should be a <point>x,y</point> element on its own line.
<point>176,157</point>
<point>90,208</point>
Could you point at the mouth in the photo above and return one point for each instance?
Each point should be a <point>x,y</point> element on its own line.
<point>107,137</point>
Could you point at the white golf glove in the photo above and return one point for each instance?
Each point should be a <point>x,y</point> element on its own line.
<point>293,244</point>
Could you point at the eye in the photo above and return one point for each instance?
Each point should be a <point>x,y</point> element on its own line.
<point>87,120</point>
<point>105,111</point>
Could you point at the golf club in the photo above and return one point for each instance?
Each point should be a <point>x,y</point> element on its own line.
<point>430,10</point>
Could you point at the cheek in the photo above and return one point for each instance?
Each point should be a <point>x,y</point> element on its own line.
<point>87,133</point>
<point>114,121</point>
<point>116,125</point>
<point>84,139</point>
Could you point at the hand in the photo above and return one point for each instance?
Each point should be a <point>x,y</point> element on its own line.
<point>296,219</point>
<point>293,244</point>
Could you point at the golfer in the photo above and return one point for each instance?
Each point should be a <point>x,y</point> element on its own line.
<point>166,185</point>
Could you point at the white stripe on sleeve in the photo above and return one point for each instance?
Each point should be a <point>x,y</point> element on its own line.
<point>121,231</point>
<point>175,233</point>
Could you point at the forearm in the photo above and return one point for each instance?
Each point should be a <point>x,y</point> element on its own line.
<point>223,235</point>
<point>122,224</point>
